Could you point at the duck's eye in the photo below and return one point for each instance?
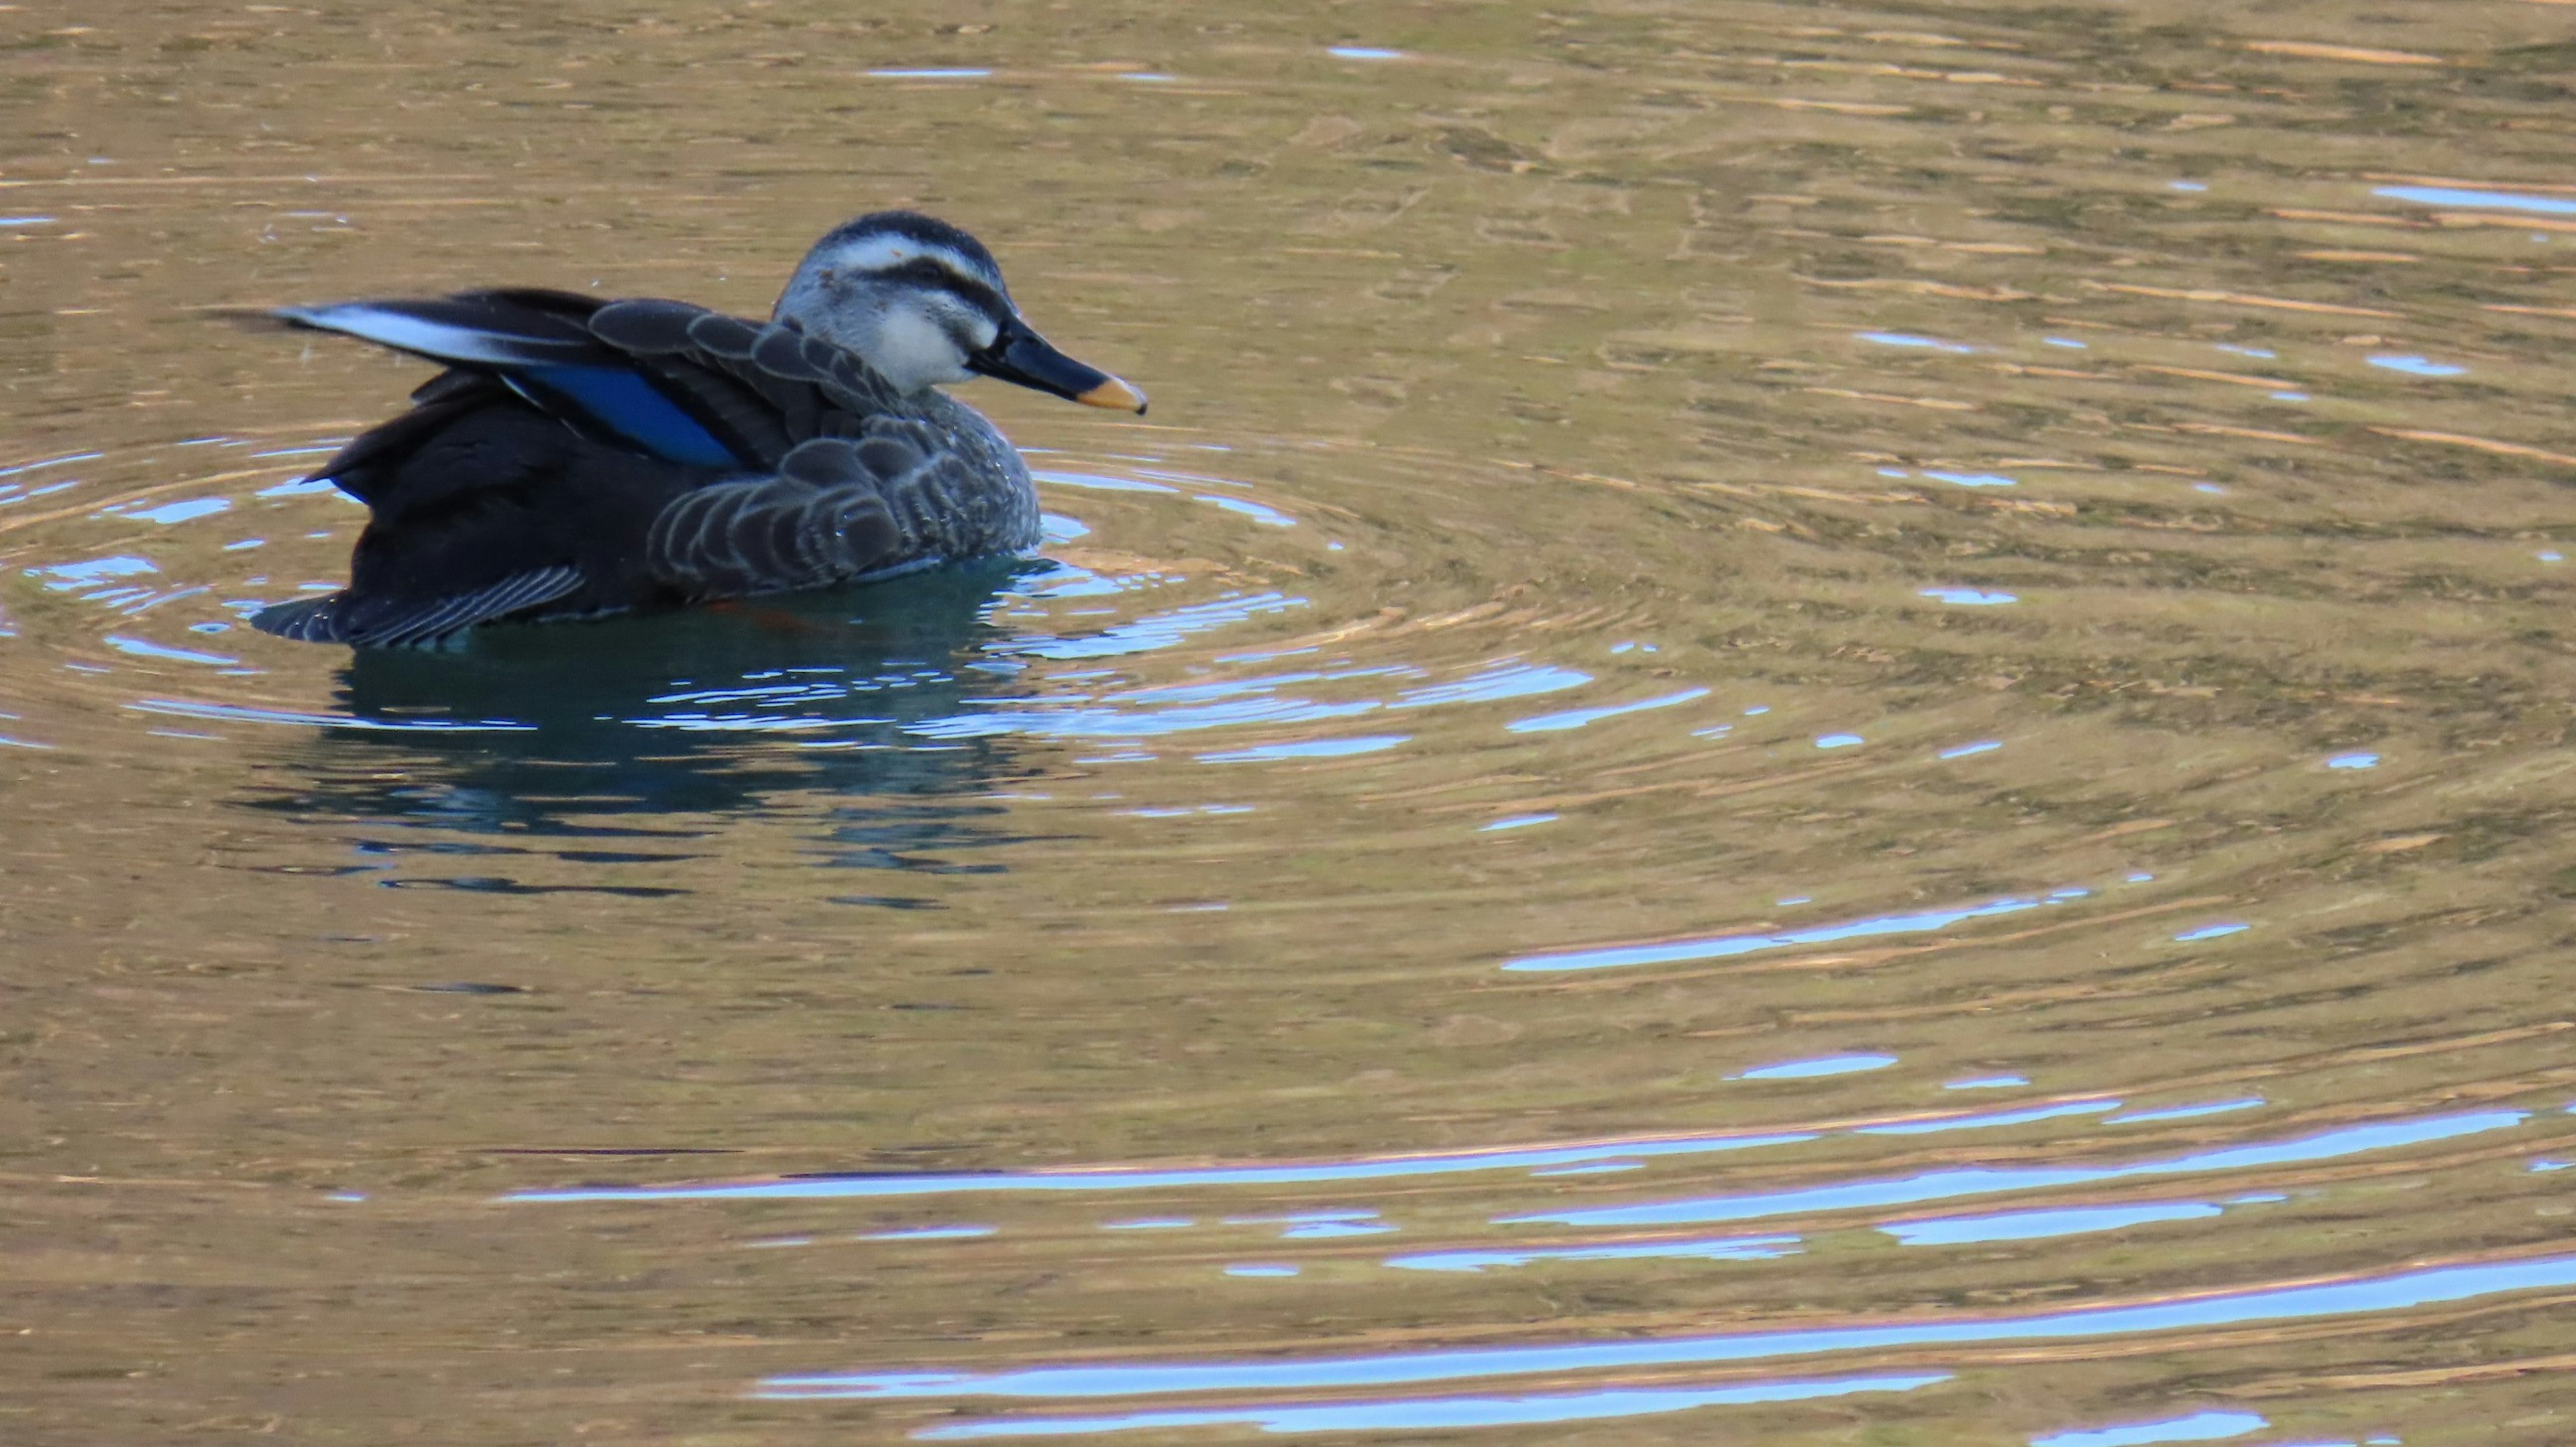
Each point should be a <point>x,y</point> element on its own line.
<point>919,269</point>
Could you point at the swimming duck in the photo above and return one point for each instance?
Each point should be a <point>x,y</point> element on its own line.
<point>580,458</point>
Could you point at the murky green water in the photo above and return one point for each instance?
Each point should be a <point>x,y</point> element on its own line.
<point>1800,724</point>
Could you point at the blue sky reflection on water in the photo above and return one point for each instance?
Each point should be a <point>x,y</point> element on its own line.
<point>1817,1066</point>
<point>2198,1427</point>
<point>2186,1112</point>
<point>1955,1184</point>
<point>2497,200</point>
<point>2391,1291</point>
<point>1719,947</point>
<point>1577,718</point>
<point>2347,1141</point>
<point>1440,1413</point>
<point>2038,1225</point>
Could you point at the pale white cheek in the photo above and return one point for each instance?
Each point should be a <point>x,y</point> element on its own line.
<point>913,352</point>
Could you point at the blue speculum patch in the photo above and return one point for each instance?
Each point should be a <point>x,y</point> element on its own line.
<point>623,403</point>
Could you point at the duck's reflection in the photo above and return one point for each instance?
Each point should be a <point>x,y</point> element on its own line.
<point>654,728</point>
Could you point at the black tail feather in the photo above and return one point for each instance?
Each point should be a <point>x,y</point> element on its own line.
<point>372,458</point>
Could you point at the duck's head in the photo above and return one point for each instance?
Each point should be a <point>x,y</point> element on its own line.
<point>922,303</point>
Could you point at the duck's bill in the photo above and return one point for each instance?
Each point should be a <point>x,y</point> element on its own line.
<point>1022,356</point>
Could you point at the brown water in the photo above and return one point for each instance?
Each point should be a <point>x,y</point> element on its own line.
<point>1801,724</point>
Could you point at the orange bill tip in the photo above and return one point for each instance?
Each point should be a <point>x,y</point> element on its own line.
<point>1114,393</point>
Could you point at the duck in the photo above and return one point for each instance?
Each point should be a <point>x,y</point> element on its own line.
<point>578,458</point>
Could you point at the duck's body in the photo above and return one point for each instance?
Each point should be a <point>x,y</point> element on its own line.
<point>580,458</point>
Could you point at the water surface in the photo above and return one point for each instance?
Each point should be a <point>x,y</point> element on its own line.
<point>1799,724</point>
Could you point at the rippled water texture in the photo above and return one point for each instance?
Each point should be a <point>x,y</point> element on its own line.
<point>1800,724</point>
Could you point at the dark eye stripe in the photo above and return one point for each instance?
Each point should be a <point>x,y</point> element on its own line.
<point>928,273</point>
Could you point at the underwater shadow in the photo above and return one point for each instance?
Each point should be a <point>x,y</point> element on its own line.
<point>644,727</point>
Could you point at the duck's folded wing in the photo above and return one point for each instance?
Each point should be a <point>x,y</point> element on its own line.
<point>828,515</point>
<point>677,382</point>
<point>539,345</point>
<point>766,387</point>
